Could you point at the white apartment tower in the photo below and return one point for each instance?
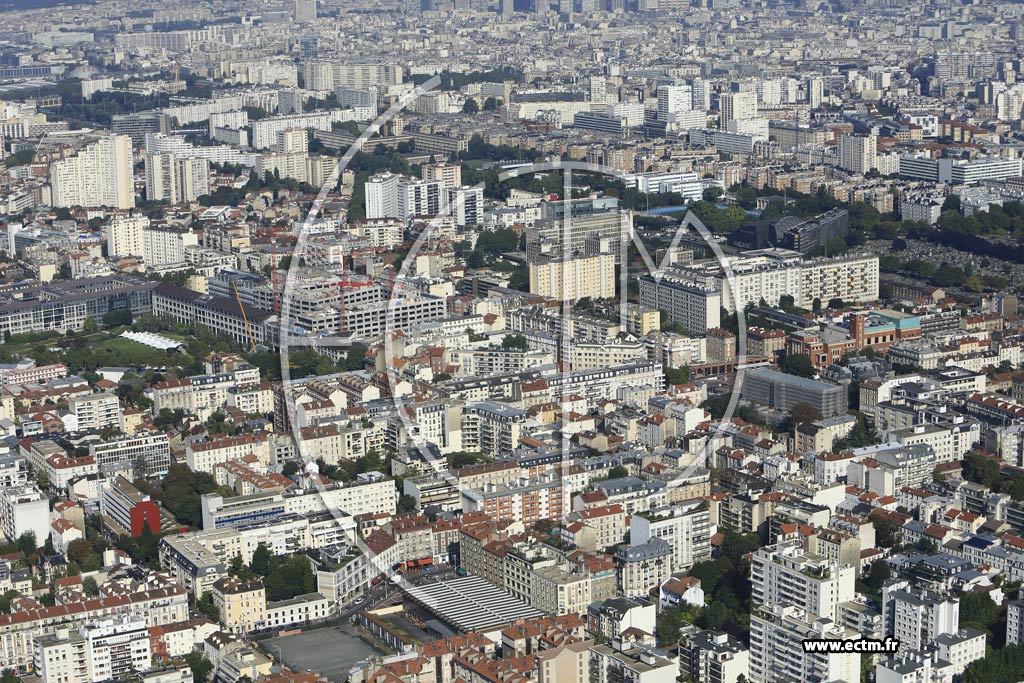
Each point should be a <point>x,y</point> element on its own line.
<point>786,574</point>
<point>917,618</point>
<point>467,204</point>
<point>738,106</point>
<point>291,140</point>
<point>777,652</point>
<point>381,193</point>
<point>420,198</point>
<point>858,153</point>
<point>815,91</point>
<point>672,100</point>
<point>109,649</point>
<point>449,174</point>
<point>176,179</point>
<point>99,175</point>
<point>125,235</point>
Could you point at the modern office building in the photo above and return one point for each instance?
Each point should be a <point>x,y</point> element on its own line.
<point>127,510</point>
<point>66,304</point>
<point>149,451</point>
<point>781,391</point>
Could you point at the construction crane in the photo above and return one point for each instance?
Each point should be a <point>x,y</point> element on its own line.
<point>248,327</point>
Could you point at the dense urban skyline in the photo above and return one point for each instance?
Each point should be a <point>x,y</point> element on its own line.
<point>514,341</point>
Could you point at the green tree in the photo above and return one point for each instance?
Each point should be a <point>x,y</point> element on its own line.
<point>406,504</point>
<point>803,412</point>
<point>206,607</point>
<point>618,472</point>
<point>200,665</point>
<point>27,543</point>
<point>982,470</point>
<point>237,568</point>
<point>490,104</point>
<point>712,194</point>
<point>977,611</point>
<point>470,107</point>
<point>261,560</point>
<point>675,376</point>
<point>798,364</point>
<point>887,532</point>
<point>878,575</point>
<point>290,468</point>
<point>515,341</point>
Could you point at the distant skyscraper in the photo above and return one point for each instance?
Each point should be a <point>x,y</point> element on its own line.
<point>672,100</point>
<point>858,153</point>
<point>815,91</point>
<point>381,192</point>
<point>308,46</point>
<point>738,106</point>
<point>176,179</point>
<point>99,175</point>
<point>305,11</point>
<point>700,94</point>
<point>124,235</point>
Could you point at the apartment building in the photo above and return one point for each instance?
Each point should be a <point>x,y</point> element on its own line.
<point>641,567</point>
<point>100,174</point>
<point>621,662</point>
<point>242,605</point>
<point>95,411</point>
<point>693,302</point>
<point>574,277</point>
<point>107,649</point>
<point>786,574</point>
<point>527,501</point>
<point>492,428</point>
<point>18,632</point>
<point>206,455</point>
<point>686,526</point>
<point>771,273</point>
<point>713,657</point>
<point>777,652</point>
<point>24,510</point>
<point>917,617</point>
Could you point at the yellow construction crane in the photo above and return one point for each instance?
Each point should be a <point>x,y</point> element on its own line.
<point>248,327</point>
